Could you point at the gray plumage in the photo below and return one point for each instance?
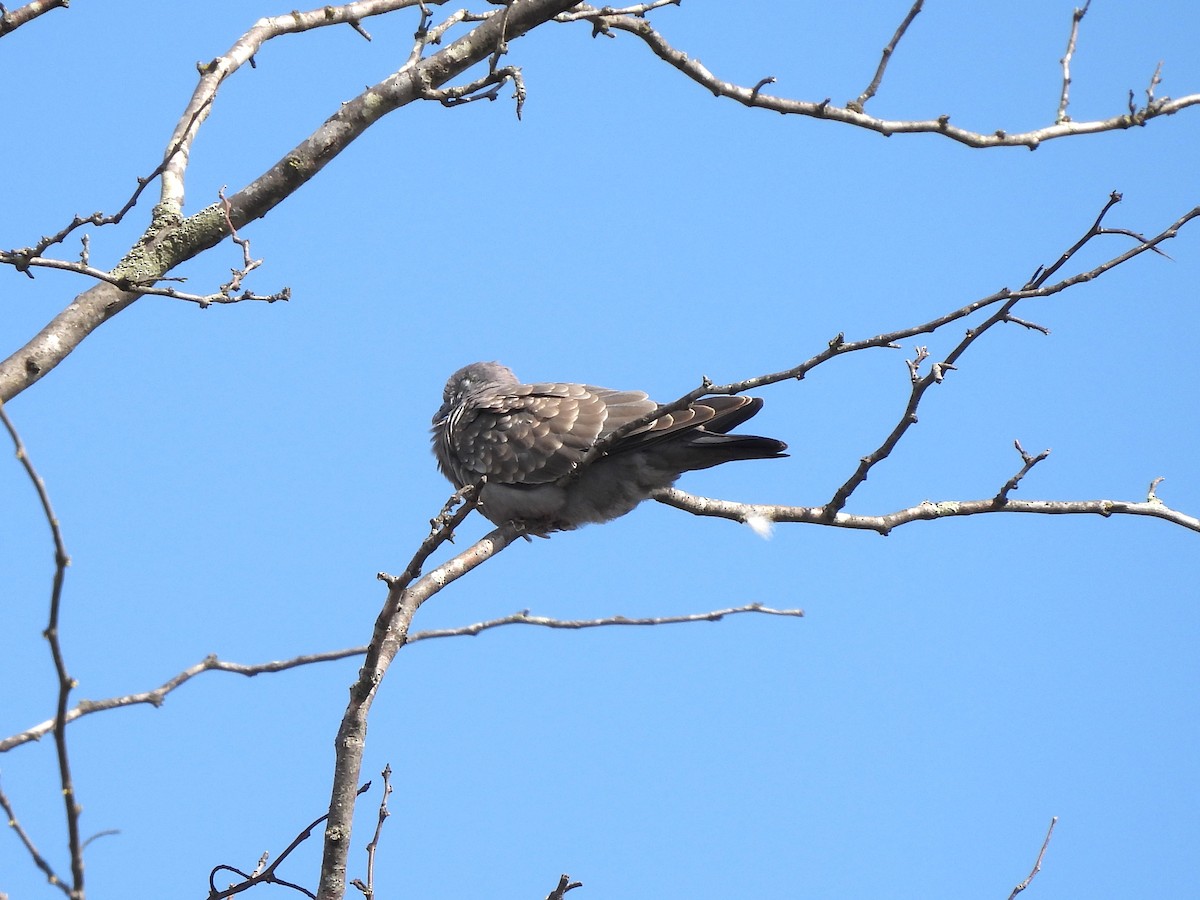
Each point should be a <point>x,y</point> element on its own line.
<point>527,437</point>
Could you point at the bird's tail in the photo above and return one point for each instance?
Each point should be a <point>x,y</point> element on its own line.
<point>704,450</point>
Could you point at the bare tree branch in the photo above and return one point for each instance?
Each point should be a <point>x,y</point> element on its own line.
<point>583,12</point>
<point>264,874</point>
<point>65,682</point>
<point>921,384</point>
<point>1064,97</point>
<point>368,888</point>
<point>404,598</point>
<point>171,239</point>
<point>1038,286</point>
<point>214,73</point>
<point>564,884</point>
<point>158,696</point>
<point>824,109</point>
<point>485,88</point>
<point>1037,866</point>
<point>857,105</point>
<point>22,15</point>
<point>222,296</point>
<point>1151,495</point>
<point>524,618</point>
<point>925,511</point>
<point>22,259</point>
<point>38,860</point>
<point>1029,463</point>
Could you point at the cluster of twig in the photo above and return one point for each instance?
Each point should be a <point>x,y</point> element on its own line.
<point>1003,301</point>
<point>265,874</point>
<point>423,76</point>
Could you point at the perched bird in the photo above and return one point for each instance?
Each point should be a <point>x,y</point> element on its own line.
<point>528,440</point>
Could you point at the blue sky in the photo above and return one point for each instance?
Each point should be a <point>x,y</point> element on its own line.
<point>230,480</point>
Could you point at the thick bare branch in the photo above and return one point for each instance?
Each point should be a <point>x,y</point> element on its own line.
<point>23,15</point>
<point>406,593</point>
<point>214,73</point>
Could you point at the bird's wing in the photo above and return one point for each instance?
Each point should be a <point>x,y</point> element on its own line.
<point>536,433</point>
<point>711,414</point>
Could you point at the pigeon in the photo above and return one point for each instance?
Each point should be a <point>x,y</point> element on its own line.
<point>526,443</point>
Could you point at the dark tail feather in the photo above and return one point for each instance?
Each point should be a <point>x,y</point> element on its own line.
<point>702,451</point>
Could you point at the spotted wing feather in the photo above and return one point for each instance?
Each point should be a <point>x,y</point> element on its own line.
<point>536,433</point>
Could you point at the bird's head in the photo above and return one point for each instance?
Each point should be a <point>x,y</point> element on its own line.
<point>469,380</point>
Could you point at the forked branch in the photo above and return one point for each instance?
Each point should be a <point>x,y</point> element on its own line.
<point>158,696</point>
<point>853,114</point>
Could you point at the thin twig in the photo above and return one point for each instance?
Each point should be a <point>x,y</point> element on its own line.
<point>1155,81</point>
<point>65,682</point>
<point>125,284</point>
<point>23,837</point>
<point>267,875</point>
<point>857,105</point>
<point>1029,462</point>
<point>485,88</point>
<point>920,386</point>
<point>1064,97</point>
<point>248,264</point>
<point>524,618</point>
<point>1025,323</point>
<point>564,884</point>
<point>1151,494</point>
<point>1037,286</point>
<point>25,257</point>
<point>369,887</point>
<point>1037,866</point>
